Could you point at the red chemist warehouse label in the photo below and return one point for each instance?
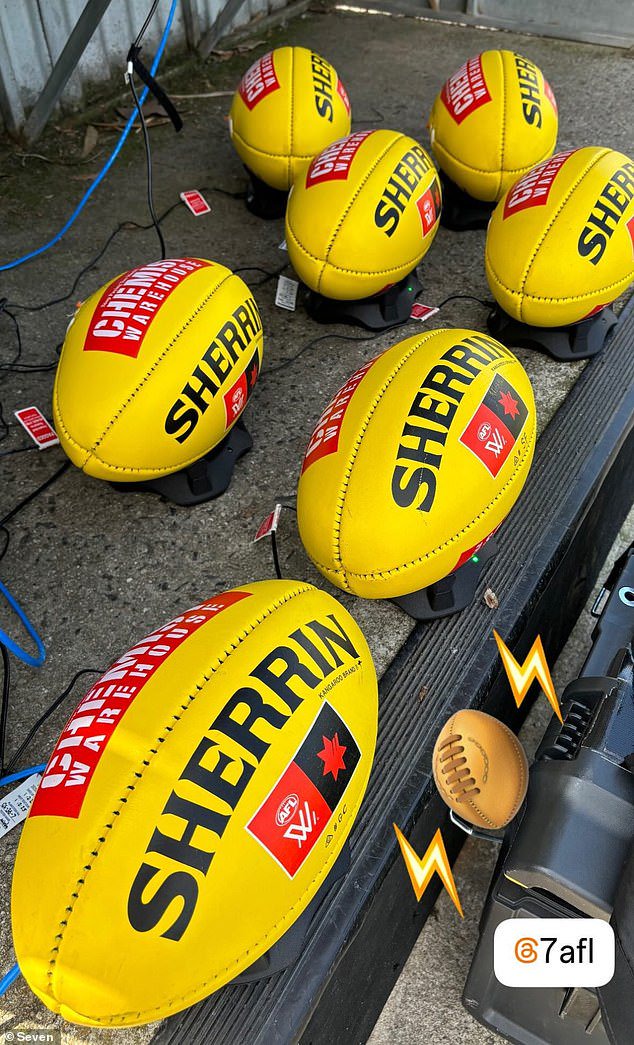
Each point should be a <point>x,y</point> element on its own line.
<point>495,427</point>
<point>343,94</point>
<point>237,396</point>
<point>429,207</point>
<point>548,91</point>
<point>87,733</point>
<point>334,163</point>
<point>534,188</point>
<point>630,229</point>
<point>466,90</point>
<point>128,306</point>
<point>258,81</point>
<point>296,812</point>
<point>325,438</point>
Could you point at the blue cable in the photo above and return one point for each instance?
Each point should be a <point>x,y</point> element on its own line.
<point>8,979</point>
<point>12,778</point>
<point>27,658</point>
<point>104,170</point>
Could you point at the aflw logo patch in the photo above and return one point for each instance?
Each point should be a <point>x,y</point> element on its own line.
<point>126,309</point>
<point>495,427</point>
<point>237,396</point>
<point>466,90</point>
<point>291,820</point>
<point>258,81</point>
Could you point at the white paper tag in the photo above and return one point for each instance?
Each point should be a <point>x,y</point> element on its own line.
<point>282,245</point>
<point>34,422</point>
<point>422,312</point>
<point>286,294</point>
<point>15,807</point>
<point>269,525</point>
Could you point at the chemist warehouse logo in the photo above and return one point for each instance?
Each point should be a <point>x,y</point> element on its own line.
<point>128,306</point>
<point>89,730</point>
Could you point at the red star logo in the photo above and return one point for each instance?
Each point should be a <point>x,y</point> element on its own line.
<point>253,375</point>
<point>510,405</point>
<point>332,755</point>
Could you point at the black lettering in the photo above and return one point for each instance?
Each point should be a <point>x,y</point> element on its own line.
<point>386,217</point>
<point>193,816</point>
<point>437,410</point>
<point>231,338</point>
<point>590,241</point>
<point>324,107</point>
<point>405,494</point>
<point>532,114</point>
<point>250,704</point>
<point>181,416</point>
<point>332,638</point>
<point>278,681</point>
<point>440,379</point>
<point>206,383</point>
<point>213,780</point>
<point>144,915</point>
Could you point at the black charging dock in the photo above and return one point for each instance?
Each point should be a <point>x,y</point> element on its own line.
<point>460,211</point>
<point>577,341</point>
<point>206,478</point>
<point>264,201</point>
<point>379,312</point>
<point>452,593</point>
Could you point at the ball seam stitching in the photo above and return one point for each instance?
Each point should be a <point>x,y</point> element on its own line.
<point>562,203</point>
<point>446,544</point>
<point>355,272</point>
<point>341,498</point>
<point>348,207</point>
<point>153,752</point>
<point>146,376</point>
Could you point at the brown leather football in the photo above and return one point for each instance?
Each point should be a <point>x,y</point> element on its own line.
<point>480,769</point>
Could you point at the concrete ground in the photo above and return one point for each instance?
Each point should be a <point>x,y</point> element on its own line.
<point>96,569</point>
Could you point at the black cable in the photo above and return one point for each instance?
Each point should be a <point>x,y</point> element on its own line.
<point>315,341</point>
<point>11,764</point>
<point>123,225</point>
<point>142,30</point>
<point>267,272</point>
<point>34,493</point>
<point>276,559</point>
<point>4,706</point>
<point>148,163</point>
<point>466,297</point>
<point>7,535</point>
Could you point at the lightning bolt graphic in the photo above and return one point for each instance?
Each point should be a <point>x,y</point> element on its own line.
<point>421,869</point>
<point>521,676</point>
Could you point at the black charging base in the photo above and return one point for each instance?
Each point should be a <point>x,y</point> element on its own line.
<point>451,594</point>
<point>460,211</point>
<point>264,201</point>
<point>289,947</point>
<point>576,341</point>
<point>205,479</point>
<point>380,312</point>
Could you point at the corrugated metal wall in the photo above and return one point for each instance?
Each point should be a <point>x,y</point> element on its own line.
<point>33,33</point>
